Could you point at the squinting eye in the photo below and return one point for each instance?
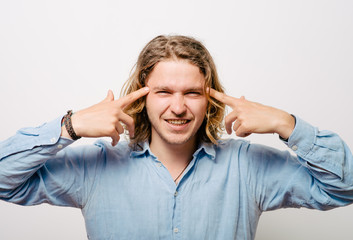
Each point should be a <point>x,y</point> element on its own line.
<point>194,93</point>
<point>162,92</point>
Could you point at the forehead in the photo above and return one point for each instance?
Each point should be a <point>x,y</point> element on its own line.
<point>176,74</point>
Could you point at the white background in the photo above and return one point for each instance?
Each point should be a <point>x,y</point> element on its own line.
<point>60,55</point>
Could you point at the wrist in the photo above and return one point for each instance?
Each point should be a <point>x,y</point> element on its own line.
<point>67,129</point>
<point>64,132</point>
<point>286,126</point>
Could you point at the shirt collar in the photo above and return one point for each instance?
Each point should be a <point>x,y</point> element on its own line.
<point>143,149</point>
<point>204,148</point>
<point>207,149</point>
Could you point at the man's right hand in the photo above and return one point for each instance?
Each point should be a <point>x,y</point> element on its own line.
<point>105,118</point>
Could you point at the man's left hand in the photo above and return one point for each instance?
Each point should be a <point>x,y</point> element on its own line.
<point>251,117</point>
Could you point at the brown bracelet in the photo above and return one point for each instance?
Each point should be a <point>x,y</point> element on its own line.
<point>68,126</point>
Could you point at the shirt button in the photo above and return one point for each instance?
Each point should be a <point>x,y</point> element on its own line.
<point>295,148</point>
<point>60,146</point>
<point>176,193</point>
<point>176,230</point>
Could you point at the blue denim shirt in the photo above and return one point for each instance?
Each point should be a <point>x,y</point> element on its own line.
<point>126,194</point>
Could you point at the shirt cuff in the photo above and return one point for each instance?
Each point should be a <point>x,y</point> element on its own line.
<point>302,139</point>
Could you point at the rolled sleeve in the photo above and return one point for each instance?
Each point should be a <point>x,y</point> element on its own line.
<point>323,149</point>
<point>47,134</point>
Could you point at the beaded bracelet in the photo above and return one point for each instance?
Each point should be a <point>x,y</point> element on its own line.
<point>68,126</point>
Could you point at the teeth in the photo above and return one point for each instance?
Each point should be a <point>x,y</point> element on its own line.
<point>177,121</point>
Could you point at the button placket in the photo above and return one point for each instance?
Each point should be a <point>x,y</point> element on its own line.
<point>177,212</point>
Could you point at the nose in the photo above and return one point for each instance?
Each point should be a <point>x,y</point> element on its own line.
<point>177,105</point>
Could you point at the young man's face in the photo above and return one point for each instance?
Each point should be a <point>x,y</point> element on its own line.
<point>176,104</point>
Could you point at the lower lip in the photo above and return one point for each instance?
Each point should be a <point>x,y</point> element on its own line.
<point>178,127</point>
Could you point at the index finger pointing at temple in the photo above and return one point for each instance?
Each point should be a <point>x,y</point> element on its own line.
<point>132,97</point>
<point>221,97</point>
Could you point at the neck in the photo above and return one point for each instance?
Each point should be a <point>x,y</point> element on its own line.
<point>175,157</point>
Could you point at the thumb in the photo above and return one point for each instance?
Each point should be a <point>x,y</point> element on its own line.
<point>109,97</point>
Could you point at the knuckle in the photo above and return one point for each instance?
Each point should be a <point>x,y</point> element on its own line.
<point>230,118</point>
<point>244,126</point>
<point>240,108</point>
<point>238,133</point>
<point>113,120</point>
<point>111,131</point>
<point>116,111</point>
<point>226,119</point>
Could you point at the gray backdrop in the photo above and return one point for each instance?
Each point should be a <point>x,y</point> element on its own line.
<point>60,55</point>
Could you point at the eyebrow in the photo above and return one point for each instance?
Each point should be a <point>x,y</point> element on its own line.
<point>167,88</point>
<point>158,88</point>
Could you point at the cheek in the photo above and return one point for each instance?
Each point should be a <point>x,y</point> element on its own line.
<point>155,104</point>
<point>197,107</point>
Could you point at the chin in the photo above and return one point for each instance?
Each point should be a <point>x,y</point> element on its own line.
<point>178,140</point>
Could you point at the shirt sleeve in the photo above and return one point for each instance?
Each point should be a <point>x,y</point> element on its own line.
<point>37,166</point>
<point>319,175</point>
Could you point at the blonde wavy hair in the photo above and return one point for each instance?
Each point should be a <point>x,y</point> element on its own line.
<point>163,48</point>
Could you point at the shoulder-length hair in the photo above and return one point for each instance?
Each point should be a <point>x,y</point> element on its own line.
<point>163,48</point>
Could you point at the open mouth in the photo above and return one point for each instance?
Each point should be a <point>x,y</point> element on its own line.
<point>178,121</point>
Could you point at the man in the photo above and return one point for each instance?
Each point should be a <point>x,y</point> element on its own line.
<point>175,178</point>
